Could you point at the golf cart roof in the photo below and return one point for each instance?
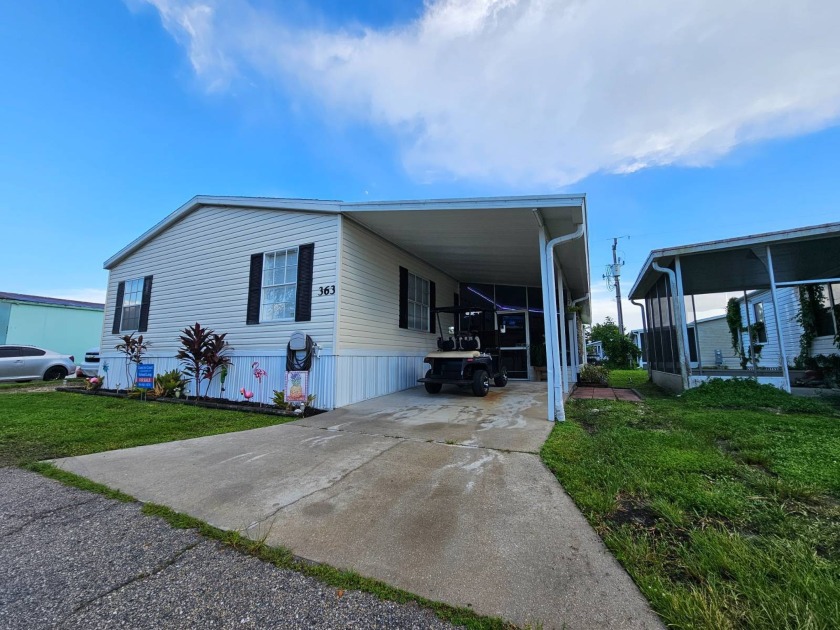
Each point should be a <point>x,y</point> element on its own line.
<point>463,309</point>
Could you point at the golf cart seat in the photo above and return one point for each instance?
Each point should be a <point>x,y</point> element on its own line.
<point>445,344</point>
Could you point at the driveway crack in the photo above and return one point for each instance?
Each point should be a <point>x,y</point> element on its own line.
<point>316,490</point>
<point>421,440</point>
<point>39,515</point>
<point>136,578</point>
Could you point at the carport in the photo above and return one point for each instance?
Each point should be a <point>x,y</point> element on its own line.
<point>538,241</point>
<point>673,280</point>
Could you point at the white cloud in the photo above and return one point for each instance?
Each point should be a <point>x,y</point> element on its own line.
<point>545,91</point>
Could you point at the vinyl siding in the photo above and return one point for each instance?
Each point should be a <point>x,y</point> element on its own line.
<point>788,298</point>
<point>376,356</point>
<point>369,294</point>
<point>201,266</point>
<point>713,335</point>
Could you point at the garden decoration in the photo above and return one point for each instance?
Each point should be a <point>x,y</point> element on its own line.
<point>259,374</point>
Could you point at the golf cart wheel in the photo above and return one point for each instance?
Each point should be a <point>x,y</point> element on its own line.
<point>501,378</point>
<point>481,383</point>
<point>432,388</point>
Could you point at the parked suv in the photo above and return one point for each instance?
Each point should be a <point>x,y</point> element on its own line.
<point>27,363</point>
<point>90,366</point>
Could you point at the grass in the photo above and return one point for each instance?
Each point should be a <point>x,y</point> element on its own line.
<point>30,384</point>
<point>282,557</point>
<point>47,425</point>
<point>724,505</point>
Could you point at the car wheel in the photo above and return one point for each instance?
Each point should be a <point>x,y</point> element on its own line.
<point>55,373</point>
<point>480,383</point>
<point>432,388</point>
<point>501,378</point>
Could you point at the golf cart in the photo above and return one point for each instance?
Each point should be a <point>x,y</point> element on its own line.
<point>470,357</point>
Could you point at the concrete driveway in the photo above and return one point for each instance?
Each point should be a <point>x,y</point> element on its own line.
<point>443,496</point>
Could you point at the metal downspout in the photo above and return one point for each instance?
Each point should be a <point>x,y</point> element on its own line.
<point>672,277</point>
<point>560,356</point>
<point>645,329</point>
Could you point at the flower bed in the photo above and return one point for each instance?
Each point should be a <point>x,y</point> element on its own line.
<point>210,403</point>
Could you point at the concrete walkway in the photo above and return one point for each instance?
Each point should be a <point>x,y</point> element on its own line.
<point>606,393</point>
<point>443,496</point>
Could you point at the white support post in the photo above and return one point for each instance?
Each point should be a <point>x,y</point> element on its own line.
<point>547,285</point>
<point>777,317</point>
<point>561,328</point>
<point>680,304</point>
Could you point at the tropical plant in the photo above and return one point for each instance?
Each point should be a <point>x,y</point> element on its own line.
<point>215,359</point>
<point>167,383</point>
<point>191,354</point>
<point>133,348</point>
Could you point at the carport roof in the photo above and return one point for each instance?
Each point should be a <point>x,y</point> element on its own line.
<point>483,240</point>
<point>739,264</point>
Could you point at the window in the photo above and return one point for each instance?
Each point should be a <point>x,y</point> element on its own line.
<point>132,300</point>
<point>279,285</point>
<point>418,303</point>
<point>758,312</point>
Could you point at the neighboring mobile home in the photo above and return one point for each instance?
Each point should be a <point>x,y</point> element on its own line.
<point>361,279</point>
<point>64,326</point>
<point>768,271</point>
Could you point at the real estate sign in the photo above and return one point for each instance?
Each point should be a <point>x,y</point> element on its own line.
<point>145,376</point>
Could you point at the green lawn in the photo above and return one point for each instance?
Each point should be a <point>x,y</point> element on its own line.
<point>723,504</point>
<point>53,424</point>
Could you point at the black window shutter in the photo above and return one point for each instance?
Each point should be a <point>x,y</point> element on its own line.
<point>143,326</point>
<point>115,329</point>
<point>403,297</point>
<point>252,314</point>
<point>432,316</point>
<point>303,300</point>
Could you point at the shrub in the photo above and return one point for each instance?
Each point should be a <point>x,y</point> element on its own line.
<point>168,382</point>
<point>594,374</point>
<point>747,393</point>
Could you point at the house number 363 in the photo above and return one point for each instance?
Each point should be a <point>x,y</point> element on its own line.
<point>326,290</point>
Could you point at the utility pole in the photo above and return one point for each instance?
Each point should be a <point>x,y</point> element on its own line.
<point>616,275</point>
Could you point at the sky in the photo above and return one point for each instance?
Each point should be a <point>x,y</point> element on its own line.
<point>681,122</point>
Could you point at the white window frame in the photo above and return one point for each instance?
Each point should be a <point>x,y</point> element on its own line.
<point>267,309</point>
<point>418,303</point>
<point>132,299</point>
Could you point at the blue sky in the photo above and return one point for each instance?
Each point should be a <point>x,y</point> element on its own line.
<point>718,121</point>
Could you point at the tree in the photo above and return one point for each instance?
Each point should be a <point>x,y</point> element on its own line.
<point>619,347</point>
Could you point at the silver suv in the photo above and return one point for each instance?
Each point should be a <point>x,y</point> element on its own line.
<point>26,363</point>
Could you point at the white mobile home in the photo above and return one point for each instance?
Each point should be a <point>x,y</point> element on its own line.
<point>361,279</point>
<point>768,270</point>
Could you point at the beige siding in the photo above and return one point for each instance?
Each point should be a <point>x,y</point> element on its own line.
<point>713,334</point>
<point>201,267</point>
<point>369,294</point>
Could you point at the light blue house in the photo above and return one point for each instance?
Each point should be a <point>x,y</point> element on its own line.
<point>65,326</point>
